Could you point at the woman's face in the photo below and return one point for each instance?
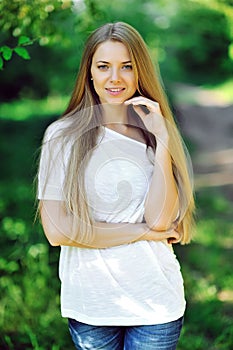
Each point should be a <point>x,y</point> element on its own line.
<point>112,73</point>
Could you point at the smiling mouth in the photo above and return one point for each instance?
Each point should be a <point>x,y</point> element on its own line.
<point>115,91</point>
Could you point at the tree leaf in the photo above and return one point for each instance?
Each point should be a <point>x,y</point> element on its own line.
<point>24,40</point>
<point>22,52</point>
<point>1,63</point>
<point>6,52</point>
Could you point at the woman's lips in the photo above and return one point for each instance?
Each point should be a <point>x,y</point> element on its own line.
<point>115,91</point>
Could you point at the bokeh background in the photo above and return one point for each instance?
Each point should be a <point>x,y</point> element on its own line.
<point>40,46</point>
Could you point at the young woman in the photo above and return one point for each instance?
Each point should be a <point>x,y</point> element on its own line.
<point>115,193</point>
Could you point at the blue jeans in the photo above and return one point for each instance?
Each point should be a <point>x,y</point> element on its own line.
<point>156,337</point>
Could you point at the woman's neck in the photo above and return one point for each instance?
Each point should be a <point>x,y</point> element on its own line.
<point>115,117</point>
<point>114,114</point>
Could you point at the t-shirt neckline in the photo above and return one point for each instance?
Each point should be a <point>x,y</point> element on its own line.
<point>124,136</point>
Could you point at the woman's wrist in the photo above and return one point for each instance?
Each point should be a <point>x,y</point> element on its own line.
<point>162,141</point>
<point>162,151</point>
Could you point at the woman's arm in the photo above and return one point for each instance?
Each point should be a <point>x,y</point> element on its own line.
<point>162,204</point>
<point>57,225</point>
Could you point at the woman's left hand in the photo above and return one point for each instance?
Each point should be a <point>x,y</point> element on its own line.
<point>153,120</point>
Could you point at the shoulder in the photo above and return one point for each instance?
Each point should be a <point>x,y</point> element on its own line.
<point>56,129</point>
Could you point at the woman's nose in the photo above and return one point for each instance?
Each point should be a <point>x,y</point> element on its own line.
<point>115,76</point>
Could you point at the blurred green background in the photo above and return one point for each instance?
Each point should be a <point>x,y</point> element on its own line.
<point>40,47</point>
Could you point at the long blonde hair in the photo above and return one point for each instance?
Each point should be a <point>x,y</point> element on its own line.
<point>84,109</point>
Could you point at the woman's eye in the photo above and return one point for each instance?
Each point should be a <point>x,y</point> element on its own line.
<point>103,67</point>
<point>127,67</point>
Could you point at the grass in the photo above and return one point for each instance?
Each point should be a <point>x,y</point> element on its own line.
<point>25,109</point>
<point>29,285</point>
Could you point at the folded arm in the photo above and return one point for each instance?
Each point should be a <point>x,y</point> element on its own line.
<point>57,225</point>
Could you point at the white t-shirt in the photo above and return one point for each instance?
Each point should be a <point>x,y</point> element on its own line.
<point>132,284</point>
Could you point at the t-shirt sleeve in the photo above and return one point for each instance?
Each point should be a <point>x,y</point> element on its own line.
<point>52,167</point>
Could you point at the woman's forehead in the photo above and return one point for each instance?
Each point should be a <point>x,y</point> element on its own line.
<point>112,50</point>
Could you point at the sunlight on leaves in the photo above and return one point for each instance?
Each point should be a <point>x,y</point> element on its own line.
<point>14,228</point>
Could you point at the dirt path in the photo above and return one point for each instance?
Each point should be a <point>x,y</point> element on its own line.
<point>207,121</point>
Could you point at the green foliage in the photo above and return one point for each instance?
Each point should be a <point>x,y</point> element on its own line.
<point>7,51</point>
<point>198,45</point>
<point>22,52</point>
<point>29,285</point>
<point>48,25</point>
<point>36,18</point>
<point>23,19</point>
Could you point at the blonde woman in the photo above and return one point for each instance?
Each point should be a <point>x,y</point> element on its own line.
<point>115,193</point>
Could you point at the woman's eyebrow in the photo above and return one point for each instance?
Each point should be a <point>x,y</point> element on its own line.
<point>101,61</point>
